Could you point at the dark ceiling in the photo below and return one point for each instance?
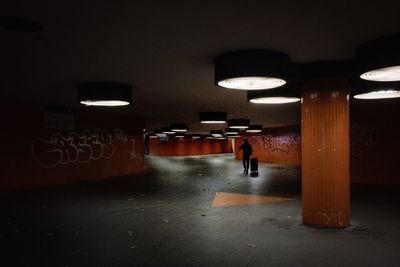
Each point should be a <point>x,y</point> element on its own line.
<point>165,49</point>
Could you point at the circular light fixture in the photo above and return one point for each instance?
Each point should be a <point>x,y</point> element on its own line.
<point>375,90</point>
<point>213,117</point>
<point>275,100</point>
<point>239,123</point>
<point>286,94</point>
<point>388,74</point>
<point>251,69</point>
<point>255,128</point>
<point>179,127</point>
<point>231,131</point>
<point>167,130</point>
<point>19,24</point>
<point>159,133</point>
<point>379,59</point>
<point>251,83</point>
<point>104,93</point>
<point>152,135</point>
<point>217,133</point>
<point>379,95</point>
<point>210,137</point>
<point>196,136</point>
<point>233,136</point>
<point>180,135</point>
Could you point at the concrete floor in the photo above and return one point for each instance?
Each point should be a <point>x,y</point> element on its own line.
<point>165,217</point>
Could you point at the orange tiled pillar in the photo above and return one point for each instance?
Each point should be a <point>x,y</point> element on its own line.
<point>325,153</point>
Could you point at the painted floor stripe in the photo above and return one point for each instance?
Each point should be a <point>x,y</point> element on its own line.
<point>231,199</point>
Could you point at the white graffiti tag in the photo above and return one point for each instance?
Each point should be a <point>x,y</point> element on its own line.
<point>282,143</point>
<point>62,149</point>
<point>362,138</point>
<point>335,217</point>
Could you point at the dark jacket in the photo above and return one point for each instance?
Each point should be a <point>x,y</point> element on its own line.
<point>247,149</point>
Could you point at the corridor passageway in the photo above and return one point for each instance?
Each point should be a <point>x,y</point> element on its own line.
<point>166,217</point>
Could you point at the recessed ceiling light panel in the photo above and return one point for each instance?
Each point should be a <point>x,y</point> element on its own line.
<point>251,69</point>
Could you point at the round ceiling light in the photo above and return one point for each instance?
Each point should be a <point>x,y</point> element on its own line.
<point>388,74</point>
<point>104,93</point>
<point>251,69</point>
<point>217,133</point>
<point>179,127</point>
<point>231,131</point>
<point>239,123</point>
<point>255,128</point>
<point>277,96</point>
<point>379,95</point>
<point>152,135</point>
<point>375,90</point>
<point>180,135</point>
<point>213,117</point>
<point>167,130</point>
<point>159,133</point>
<point>379,59</point>
<point>196,136</point>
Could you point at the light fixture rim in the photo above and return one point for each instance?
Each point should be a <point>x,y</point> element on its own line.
<point>96,91</point>
<point>243,63</point>
<point>238,123</point>
<point>377,53</point>
<point>213,117</point>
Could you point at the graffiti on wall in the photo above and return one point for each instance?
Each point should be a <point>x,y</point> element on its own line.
<point>83,147</point>
<point>281,143</point>
<point>362,138</point>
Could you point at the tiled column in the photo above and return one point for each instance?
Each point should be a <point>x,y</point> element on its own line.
<point>325,153</point>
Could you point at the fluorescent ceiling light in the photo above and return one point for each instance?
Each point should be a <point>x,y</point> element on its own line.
<point>105,103</point>
<point>253,69</point>
<point>213,117</point>
<point>104,93</point>
<point>274,100</point>
<point>252,83</point>
<point>379,95</point>
<point>238,123</point>
<point>389,74</point>
<point>254,128</point>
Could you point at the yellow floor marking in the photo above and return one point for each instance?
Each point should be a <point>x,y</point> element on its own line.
<point>232,199</point>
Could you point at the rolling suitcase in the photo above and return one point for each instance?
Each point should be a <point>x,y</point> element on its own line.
<point>253,166</point>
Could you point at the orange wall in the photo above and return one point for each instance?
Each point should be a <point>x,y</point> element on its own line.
<point>374,143</point>
<point>100,145</point>
<point>182,147</point>
<point>274,145</point>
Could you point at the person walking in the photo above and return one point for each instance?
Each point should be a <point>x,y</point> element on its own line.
<point>247,151</point>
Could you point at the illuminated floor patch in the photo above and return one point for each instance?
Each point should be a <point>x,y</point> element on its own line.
<point>231,199</point>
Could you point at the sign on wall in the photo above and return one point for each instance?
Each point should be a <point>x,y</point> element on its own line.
<point>59,118</point>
